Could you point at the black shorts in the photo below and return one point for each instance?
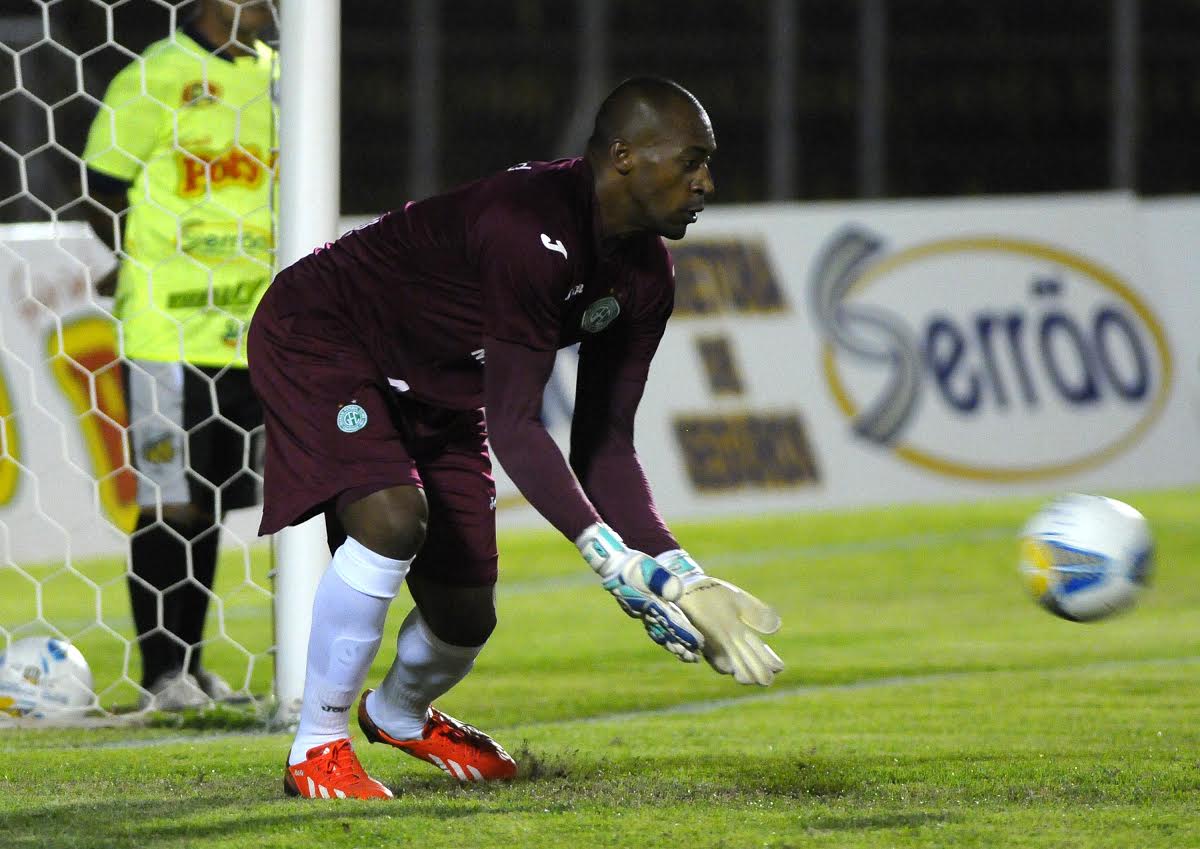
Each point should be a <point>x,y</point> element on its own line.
<point>195,435</point>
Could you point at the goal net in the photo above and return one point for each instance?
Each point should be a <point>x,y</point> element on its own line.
<point>68,483</point>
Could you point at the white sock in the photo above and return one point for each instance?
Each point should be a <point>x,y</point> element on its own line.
<point>347,627</point>
<point>425,668</point>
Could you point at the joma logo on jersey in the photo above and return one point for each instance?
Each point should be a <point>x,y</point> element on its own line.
<point>245,166</point>
<point>197,92</point>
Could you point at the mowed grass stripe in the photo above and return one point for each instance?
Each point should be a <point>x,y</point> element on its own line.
<point>759,556</point>
<point>751,697</point>
<point>247,610</point>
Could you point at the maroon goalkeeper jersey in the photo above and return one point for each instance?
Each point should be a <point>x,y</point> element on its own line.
<point>462,300</point>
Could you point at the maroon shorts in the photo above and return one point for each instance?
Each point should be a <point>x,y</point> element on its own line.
<point>336,430</point>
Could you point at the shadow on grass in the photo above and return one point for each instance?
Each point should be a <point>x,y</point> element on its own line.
<point>873,822</point>
<point>116,814</point>
<point>636,780</point>
<point>146,823</point>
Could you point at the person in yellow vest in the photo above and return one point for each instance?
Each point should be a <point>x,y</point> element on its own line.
<point>181,171</point>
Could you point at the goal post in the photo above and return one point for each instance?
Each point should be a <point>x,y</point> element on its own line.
<point>310,43</point>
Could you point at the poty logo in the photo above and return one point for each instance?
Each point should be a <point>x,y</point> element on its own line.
<point>245,166</point>
<point>988,358</point>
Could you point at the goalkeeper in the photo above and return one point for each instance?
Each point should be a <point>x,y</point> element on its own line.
<point>375,358</point>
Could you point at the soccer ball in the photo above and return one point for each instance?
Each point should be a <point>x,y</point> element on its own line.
<point>43,678</point>
<point>1085,557</point>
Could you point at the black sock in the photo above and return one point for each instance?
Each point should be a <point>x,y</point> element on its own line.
<point>193,600</point>
<point>158,557</point>
<point>156,561</point>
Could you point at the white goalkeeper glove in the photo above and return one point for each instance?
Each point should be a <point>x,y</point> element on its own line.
<point>644,589</point>
<point>729,618</point>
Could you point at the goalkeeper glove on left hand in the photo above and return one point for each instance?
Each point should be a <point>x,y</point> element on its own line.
<point>730,619</point>
<point>644,589</point>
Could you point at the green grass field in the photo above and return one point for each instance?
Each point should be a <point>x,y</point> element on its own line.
<point>927,702</point>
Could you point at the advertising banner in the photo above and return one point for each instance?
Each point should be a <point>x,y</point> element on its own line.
<point>65,488</point>
<point>1170,234</point>
<point>837,355</point>
<point>820,356</point>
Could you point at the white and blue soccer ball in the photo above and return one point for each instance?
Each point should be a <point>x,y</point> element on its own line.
<point>44,678</point>
<point>1085,557</point>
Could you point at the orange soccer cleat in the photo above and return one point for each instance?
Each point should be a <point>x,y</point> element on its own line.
<point>332,770</point>
<point>462,751</point>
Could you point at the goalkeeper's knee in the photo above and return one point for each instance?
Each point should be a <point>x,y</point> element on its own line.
<point>368,572</point>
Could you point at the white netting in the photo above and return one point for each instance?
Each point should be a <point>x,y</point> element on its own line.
<point>67,486</point>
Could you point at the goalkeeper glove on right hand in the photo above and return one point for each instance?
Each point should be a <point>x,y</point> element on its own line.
<point>644,589</point>
<point>730,619</point>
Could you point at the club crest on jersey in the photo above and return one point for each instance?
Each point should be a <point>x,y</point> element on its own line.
<point>600,314</point>
<point>351,418</point>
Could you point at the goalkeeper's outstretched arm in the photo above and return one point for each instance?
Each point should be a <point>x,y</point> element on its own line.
<point>726,624</point>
